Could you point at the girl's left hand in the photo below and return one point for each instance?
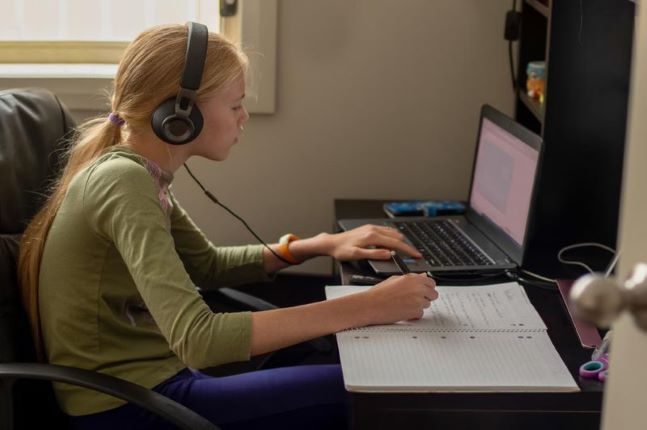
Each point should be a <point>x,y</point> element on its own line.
<point>372,242</point>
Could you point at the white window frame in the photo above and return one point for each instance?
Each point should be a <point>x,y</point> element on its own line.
<point>81,86</point>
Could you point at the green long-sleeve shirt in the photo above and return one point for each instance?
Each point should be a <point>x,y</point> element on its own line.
<point>117,282</point>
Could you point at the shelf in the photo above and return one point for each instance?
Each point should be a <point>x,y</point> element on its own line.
<point>539,7</point>
<point>533,105</point>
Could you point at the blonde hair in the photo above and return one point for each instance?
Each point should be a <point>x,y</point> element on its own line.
<point>148,73</point>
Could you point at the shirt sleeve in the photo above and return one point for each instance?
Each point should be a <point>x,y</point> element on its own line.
<point>211,266</point>
<point>121,204</point>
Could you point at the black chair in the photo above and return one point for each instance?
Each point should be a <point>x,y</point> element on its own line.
<point>32,125</point>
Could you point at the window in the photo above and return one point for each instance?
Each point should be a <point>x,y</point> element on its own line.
<point>88,31</point>
<point>53,39</point>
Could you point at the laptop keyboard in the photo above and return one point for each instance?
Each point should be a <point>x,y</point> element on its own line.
<point>442,244</point>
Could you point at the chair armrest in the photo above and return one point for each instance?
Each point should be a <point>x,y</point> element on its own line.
<point>154,402</point>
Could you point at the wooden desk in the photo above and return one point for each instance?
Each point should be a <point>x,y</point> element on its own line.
<point>499,411</point>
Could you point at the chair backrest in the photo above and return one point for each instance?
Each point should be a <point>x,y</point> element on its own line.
<point>33,125</point>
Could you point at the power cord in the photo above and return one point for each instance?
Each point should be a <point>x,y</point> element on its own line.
<point>541,282</point>
<point>612,265</point>
<point>541,278</point>
<point>547,280</point>
<point>215,200</point>
<point>609,268</point>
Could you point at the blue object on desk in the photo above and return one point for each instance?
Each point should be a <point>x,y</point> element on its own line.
<point>442,207</point>
<point>424,208</point>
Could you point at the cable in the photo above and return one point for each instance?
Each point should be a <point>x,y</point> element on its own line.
<point>559,256</point>
<point>612,265</point>
<point>538,284</point>
<point>580,245</point>
<point>215,200</point>
<point>542,278</point>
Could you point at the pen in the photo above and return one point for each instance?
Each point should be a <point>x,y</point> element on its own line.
<point>403,266</point>
<point>398,262</point>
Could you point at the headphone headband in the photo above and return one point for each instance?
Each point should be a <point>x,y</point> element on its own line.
<point>196,52</point>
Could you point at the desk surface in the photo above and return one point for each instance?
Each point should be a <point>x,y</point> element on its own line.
<point>477,410</point>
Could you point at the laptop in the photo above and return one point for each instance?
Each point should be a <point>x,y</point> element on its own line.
<point>492,233</point>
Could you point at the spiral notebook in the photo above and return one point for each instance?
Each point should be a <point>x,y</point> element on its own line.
<point>473,339</point>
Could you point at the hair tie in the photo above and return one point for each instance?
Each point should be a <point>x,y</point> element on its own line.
<point>115,119</point>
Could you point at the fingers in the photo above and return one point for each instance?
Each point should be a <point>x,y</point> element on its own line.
<point>395,244</point>
<point>431,294</point>
<point>426,280</point>
<point>385,237</point>
<point>426,288</point>
<point>404,297</point>
<point>380,253</point>
<point>429,286</point>
<point>407,249</point>
<point>373,254</point>
<point>388,231</point>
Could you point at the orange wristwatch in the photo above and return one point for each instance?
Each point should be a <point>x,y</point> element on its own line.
<point>284,248</point>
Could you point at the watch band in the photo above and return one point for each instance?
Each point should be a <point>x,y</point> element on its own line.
<point>284,248</point>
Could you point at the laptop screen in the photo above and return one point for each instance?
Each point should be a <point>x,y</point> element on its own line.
<point>504,175</point>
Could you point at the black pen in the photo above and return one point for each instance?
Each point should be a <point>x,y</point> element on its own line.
<point>403,266</point>
<point>398,262</point>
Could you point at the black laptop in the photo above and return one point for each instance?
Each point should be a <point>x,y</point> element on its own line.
<point>491,235</point>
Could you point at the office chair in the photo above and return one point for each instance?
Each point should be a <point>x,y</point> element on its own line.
<point>32,125</point>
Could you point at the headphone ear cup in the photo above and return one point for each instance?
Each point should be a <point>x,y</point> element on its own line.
<point>163,111</point>
<point>174,129</point>
<point>197,120</point>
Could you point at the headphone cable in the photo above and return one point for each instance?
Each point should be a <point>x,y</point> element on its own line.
<point>215,200</point>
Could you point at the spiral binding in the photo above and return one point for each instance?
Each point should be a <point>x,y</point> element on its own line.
<point>441,330</point>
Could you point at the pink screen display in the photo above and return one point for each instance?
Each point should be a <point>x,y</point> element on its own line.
<point>503,179</point>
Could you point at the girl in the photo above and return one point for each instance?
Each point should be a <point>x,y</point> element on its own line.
<point>109,265</point>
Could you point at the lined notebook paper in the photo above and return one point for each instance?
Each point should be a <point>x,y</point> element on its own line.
<point>484,338</point>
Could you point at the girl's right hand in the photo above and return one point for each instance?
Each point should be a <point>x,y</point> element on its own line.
<point>401,298</point>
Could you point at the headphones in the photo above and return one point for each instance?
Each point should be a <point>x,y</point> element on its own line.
<point>178,120</point>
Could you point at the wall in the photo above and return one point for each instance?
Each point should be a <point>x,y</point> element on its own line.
<point>375,99</point>
<point>362,86</point>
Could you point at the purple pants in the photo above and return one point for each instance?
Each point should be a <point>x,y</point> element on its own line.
<point>298,397</point>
